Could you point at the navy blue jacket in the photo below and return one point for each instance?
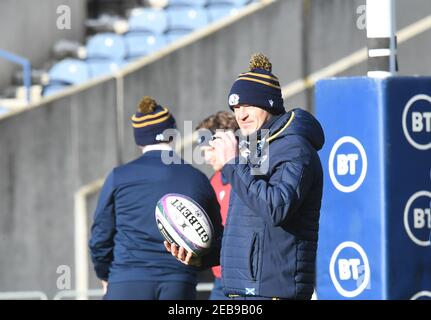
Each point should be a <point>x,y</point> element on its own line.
<point>126,244</point>
<point>270,238</point>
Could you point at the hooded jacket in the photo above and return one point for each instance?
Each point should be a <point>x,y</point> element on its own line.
<point>270,239</point>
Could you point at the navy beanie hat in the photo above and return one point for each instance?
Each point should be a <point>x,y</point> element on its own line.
<point>258,87</point>
<point>150,121</point>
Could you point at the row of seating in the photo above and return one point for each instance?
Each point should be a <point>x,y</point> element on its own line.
<point>73,71</point>
<point>126,47</point>
<point>170,3</point>
<point>178,17</point>
<point>149,30</point>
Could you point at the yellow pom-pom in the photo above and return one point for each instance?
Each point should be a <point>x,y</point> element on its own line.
<point>260,61</point>
<point>147,105</point>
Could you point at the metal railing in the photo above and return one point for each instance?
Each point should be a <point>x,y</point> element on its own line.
<point>26,68</point>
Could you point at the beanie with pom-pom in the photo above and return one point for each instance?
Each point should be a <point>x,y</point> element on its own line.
<point>150,122</point>
<point>258,87</point>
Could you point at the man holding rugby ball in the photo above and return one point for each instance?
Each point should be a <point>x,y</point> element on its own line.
<point>126,246</point>
<point>270,238</point>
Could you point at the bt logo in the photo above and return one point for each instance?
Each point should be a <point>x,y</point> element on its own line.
<point>349,269</point>
<point>422,295</point>
<point>421,121</point>
<point>347,164</point>
<point>416,121</point>
<point>417,218</point>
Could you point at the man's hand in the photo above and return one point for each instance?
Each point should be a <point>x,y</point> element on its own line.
<point>225,146</point>
<point>182,255</point>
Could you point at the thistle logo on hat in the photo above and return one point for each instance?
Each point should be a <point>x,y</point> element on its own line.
<point>150,121</point>
<point>258,87</point>
<point>233,99</point>
<point>160,137</point>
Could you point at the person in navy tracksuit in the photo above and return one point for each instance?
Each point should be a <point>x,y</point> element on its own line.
<point>126,246</point>
<point>270,238</point>
<point>223,120</point>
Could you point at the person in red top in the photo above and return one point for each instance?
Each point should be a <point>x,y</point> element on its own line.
<point>222,120</point>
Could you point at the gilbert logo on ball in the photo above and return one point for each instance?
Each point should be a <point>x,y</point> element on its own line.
<point>182,221</point>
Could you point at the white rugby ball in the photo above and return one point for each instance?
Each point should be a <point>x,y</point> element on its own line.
<point>182,221</point>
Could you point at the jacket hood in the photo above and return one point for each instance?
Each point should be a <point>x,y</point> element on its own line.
<point>298,122</point>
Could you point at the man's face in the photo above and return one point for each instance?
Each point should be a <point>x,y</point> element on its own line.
<point>250,118</point>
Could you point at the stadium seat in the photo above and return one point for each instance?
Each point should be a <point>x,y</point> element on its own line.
<point>3,110</point>
<point>103,66</point>
<point>158,3</point>
<point>141,44</point>
<point>146,19</point>
<point>172,36</point>
<point>218,11</point>
<point>106,23</point>
<point>193,3</point>
<point>68,49</point>
<point>106,46</point>
<point>187,18</point>
<point>69,71</point>
<point>231,2</point>
<point>53,88</point>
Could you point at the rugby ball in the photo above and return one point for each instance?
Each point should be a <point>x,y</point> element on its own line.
<point>182,221</point>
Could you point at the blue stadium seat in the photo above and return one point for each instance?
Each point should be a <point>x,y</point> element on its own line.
<point>3,110</point>
<point>53,88</point>
<point>106,46</point>
<point>141,44</point>
<point>232,2</point>
<point>187,18</point>
<point>103,66</point>
<point>69,71</point>
<point>146,19</point>
<point>174,35</point>
<point>193,3</point>
<point>218,11</point>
